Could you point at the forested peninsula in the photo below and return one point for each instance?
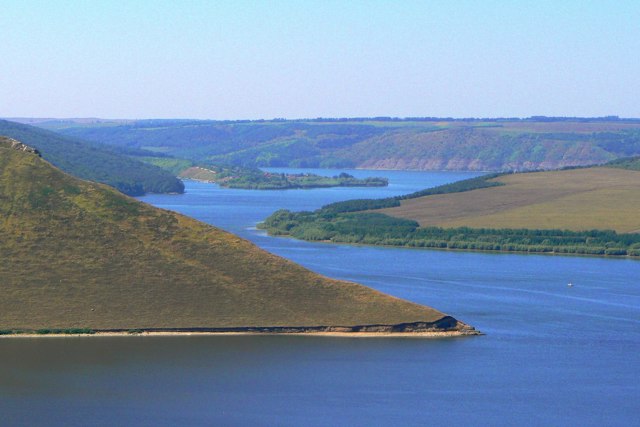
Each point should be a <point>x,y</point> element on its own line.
<point>586,211</point>
<point>256,179</point>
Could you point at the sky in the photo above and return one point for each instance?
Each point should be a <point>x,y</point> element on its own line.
<point>305,59</point>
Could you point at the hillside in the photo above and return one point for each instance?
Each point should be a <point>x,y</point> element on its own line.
<point>578,199</point>
<point>378,143</point>
<point>108,165</point>
<point>578,211</point>
<point>76,254</point>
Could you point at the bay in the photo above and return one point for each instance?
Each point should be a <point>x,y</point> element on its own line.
<point>552,354</point>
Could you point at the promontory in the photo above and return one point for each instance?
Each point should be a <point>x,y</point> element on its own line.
<point>77,255</point>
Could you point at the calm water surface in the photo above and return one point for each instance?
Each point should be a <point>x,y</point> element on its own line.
<point>553,355</point>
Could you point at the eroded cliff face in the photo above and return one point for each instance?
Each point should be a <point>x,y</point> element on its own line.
<point>473,150</point>
<point>447,326</point>
<point>435,164</point>
<point>475,165</point>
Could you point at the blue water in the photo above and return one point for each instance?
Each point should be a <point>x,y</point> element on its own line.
<point>552,354</point>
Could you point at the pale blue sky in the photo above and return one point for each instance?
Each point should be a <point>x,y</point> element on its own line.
<point>294,59</point>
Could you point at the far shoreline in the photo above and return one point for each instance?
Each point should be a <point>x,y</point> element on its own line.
<point>430,248</point>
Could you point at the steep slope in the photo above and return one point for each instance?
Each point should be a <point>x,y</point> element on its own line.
<point>74,254</point>
<point>93,162</point>
<point>477,149</point>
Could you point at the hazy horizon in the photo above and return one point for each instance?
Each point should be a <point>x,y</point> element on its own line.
<point>354,118</point>
<point>298,59</point>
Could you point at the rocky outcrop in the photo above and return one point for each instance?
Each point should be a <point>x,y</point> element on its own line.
<point>17,145</point>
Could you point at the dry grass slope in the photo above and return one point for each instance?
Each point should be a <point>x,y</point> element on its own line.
<point>198,173</point>
<point>75,254</point>
<point>579,199</point>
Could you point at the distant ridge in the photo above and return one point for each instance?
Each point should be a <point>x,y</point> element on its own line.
<point>420,143</point>
<point>79,255</point>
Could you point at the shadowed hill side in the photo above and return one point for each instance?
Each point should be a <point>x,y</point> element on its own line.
<point>80,255</point>
<point>89,161</point>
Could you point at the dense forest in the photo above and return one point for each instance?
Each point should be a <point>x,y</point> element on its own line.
<point>109,165</point>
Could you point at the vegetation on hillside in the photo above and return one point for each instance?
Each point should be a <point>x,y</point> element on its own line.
<point>382,142</point>
<point>256,179</point>
<point>108,165</point>
<point>79,256</point>
<point>629,163</point>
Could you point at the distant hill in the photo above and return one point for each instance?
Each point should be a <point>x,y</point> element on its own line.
<point>592,210</point>
<point>108,165</point>
<point>377,143</point>
<point>76,255</point>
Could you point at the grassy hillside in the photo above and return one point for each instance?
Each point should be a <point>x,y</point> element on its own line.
<point>76,254</point>
<point>108,165</point>
<point>578,211</point>
<point>379,143</point>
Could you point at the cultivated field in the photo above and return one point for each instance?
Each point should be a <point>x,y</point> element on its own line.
<point>579,199</point>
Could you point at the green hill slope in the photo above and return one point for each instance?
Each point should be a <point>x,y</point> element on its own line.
<point>424,144</point>
<point>95,163</point>
<point>76,254</point>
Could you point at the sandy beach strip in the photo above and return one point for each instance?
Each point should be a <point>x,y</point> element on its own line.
<point>431,334</point>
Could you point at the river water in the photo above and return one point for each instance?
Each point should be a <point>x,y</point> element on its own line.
<point>552,354</point>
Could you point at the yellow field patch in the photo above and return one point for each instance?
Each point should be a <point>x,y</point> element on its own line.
<point>579,199</point>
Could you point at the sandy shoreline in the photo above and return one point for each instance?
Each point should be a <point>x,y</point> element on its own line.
<point>432,334</point>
